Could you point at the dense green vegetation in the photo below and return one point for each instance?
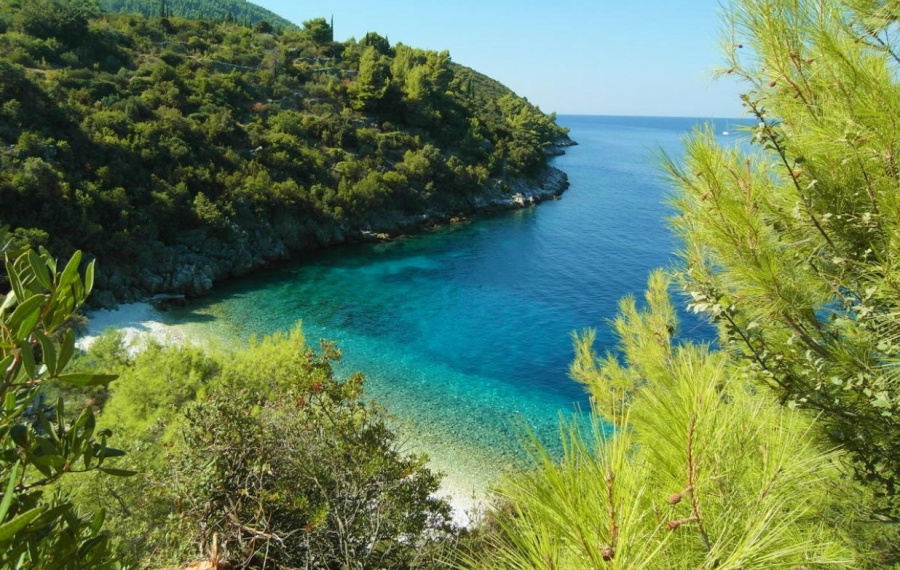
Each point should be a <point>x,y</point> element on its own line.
<point>178,152</point>
<point>39,444</point>
<point>777,448</point>
<point>258,457</point>
<point>780,447</point>
<point>699,470</point>
<point>234,11</point>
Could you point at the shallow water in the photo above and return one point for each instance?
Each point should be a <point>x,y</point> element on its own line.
<point>464,333</point>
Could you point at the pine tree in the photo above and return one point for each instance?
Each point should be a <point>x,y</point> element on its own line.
<point>711,458</point>
<point>794,250</point>
<point>683,465</point>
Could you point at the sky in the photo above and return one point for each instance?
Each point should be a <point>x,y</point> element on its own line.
<point>572,57</point>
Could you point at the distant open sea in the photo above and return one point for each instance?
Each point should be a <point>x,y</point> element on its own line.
<point>464,333</point>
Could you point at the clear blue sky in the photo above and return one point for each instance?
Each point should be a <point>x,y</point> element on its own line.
<point>591,57</point>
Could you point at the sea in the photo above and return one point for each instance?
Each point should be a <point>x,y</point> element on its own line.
<point>464,333</point>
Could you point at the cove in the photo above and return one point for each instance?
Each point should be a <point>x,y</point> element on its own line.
<point>464,333</point>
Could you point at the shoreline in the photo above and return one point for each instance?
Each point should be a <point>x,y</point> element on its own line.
<point>141,321</point>
<point>136,321</point>
<point>192,269</point>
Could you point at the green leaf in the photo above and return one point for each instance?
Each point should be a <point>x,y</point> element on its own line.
<point>84,379</point>
<point>9,403</point>
<point>54,461</point>
<point>119,472</point>
<point>66,350</point>
<point>10,487</point>
<point>85,420</point>
<point>9,529</point>
<point>97,521</point>
<point>90,544</point>
<point>105,452</point>
<point>70,273</point>
<point>44,470</point>
<point>78,292</point>
<point>28,324</point>
<point>40,269</point>
<point>20,435</point>
<point>6,363</point>
<point>49,352</point>
<point>47,428</point>
<point>81,432</point>
<point>27,355</point>
<point>89,278</point>
<point>49,260</point>
<point>60,418</point>
<point>15,282</point>
<point>52,514</point>
<point>26,309</point>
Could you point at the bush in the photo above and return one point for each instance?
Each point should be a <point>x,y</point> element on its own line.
<point>66,21</point>
<point>263,458</point>
<point>40,446</point>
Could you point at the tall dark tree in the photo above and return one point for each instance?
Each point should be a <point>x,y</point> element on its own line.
<point>381,44</point>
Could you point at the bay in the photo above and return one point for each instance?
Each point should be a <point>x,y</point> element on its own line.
<point>464,333</point>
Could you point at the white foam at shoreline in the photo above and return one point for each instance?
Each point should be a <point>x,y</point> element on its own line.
<point>135,320</point>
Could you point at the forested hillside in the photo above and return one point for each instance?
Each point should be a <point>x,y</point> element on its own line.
<point>236,11</point>
<point>179,152</point>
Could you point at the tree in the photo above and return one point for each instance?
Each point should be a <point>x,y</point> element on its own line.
<point>372,81</point>
<point>684,465</point>
<point>64,20</point>
<point>793,250</point>
<point>39,445</point>
<point>319,30</point>
<point>261,458</point>
<point>311,477</point>
<point>381,44</point>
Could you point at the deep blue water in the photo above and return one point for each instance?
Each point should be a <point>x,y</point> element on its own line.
<point>465,333</point>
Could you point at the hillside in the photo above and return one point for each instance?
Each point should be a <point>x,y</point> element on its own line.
<point>180,152</point>
<point>238,11</point>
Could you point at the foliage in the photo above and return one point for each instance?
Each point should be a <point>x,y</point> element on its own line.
<point>65,20</point>
<point>793,249</point>
<point>684,465</point>
<point>319,30</point>
<point>261,458</point>
<point>156,140</point>
<point>240,11</point>
<point>39,525</point>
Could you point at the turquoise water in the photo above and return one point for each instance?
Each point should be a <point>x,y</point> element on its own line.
<point>464,333</point>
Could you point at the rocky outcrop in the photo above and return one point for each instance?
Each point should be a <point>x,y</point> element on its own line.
<point>558,148</point>
<point>521,192</point>
<point>193,265</point>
